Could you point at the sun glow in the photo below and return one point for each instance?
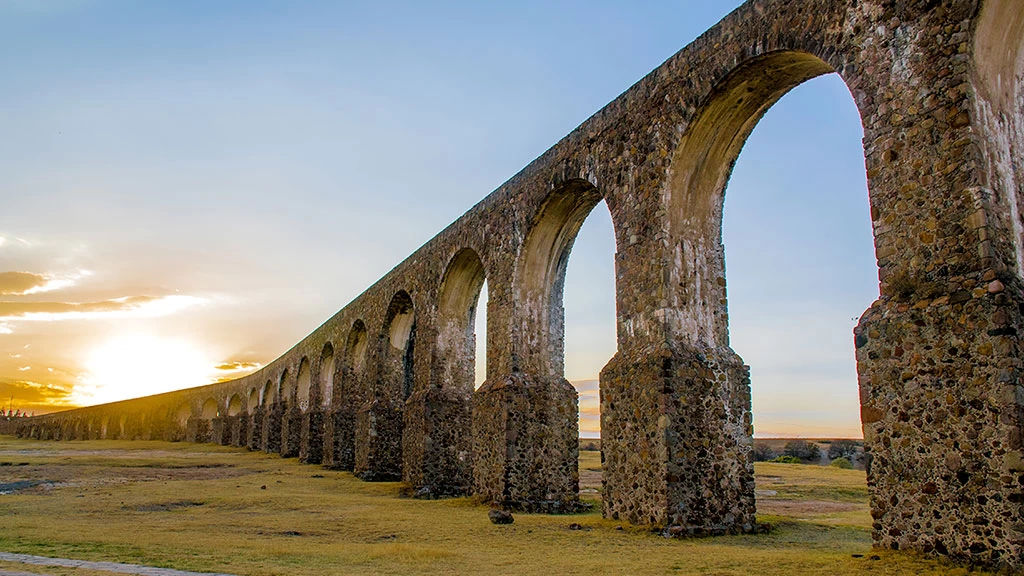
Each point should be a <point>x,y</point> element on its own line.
<point>134,365</point>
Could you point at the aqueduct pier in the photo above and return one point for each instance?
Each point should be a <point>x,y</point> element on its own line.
<point>385,387</point>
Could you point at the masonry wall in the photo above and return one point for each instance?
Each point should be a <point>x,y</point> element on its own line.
<point>938,86</point>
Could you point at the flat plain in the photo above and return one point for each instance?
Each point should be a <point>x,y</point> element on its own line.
<point>217,509</point>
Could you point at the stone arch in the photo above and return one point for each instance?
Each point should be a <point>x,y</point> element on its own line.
<point>540,276</point>
<point>182,414</point>
<point>268,395</point>
<point>303,381</point>
<point>104,424</point>
<point>286,385</point>
<point>998,56</point>
<point>398,347</point>
<point>304,384</point>
<point>235,405</point>
<point>209,410</point>
<point>254,399</point>
<point>356,348</point>
<point>699,174</point>
<point>326,376</point>
<point>457,302</point>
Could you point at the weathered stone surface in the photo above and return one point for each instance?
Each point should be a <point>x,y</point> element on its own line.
<point>437,448</point>
<point>527,444</point>
<point>940,90</point>
<point>378,447</point>
<point>311,448</point>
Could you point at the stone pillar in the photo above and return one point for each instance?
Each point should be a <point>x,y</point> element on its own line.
<point>271,441</point>
<point>676,436</point>
<point>239,428</point>
<point>255,432</point>
<point>941,406</point>
<point>197,430</point>
<point>527,444</point>
<point>339,439</point>
<point>378,442</point>
<point>311,449</point>
<point>437,445</point>
<point>291,432</point>
<point>220,430</point>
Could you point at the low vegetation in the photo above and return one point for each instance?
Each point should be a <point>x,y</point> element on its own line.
<point>211,508</point>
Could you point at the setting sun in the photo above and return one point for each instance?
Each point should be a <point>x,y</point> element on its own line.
<point>134,365</point>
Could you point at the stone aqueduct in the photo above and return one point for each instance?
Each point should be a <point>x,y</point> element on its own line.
<point>385,387</point>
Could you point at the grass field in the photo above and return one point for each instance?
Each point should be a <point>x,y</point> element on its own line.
<point>210,508</point>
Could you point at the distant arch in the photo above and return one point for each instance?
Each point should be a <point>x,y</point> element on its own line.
<point>355,348</point>
<point>458,298</point>
<point>210,411</point>
<point>268,394</point>
<point>399,344</point>
<point>304,384</point>
<point>183,413</point>
<point>287,387</point>
<point>327,375</point>
<point>235,405</point>
<point>254,399</point>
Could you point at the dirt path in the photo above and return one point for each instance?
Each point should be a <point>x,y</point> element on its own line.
<point>101,566</point>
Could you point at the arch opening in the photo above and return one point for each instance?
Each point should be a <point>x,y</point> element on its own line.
<point>541,275</point>
<point>569,328</point>
<point>254,399</point>
<point>355,348</point>
<point>209,410</point>
<point>399,348</point>
<point>791,192</point>
<point>267,395</point>
<point>235,405</point>
<point>286,385</point>
<point>327,376</point>
<point>700,170</point>
<point>458,303</point>
<point>304,382</point>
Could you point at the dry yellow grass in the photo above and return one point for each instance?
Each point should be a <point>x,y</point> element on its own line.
<point>204,508</point>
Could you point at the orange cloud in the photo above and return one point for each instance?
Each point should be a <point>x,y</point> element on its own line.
<point>31,396</point>
<point>17,283</point>
<point>236,369</point>
<point>233,366</point>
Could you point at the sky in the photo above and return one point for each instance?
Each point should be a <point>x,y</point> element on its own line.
<point>189,188</point>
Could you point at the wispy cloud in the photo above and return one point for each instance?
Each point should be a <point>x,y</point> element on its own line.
<point>24,368</point>
<point>127,307</point>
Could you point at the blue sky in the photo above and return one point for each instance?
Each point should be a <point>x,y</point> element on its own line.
<point>241,170</point>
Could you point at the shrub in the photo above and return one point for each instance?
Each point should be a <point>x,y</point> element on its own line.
<point>788,460</point>
<point>802,449</point>
<point>763,452</point>
<point>849,449</point>
<point>841,463</point>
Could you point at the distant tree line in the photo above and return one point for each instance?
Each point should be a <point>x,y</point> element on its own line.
<point>13,414</point>
<point>802,451</point>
